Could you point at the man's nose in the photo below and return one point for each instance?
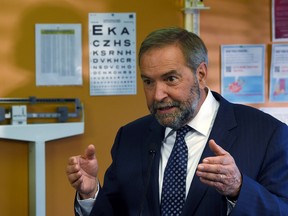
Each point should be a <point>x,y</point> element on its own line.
<point>161,92</point>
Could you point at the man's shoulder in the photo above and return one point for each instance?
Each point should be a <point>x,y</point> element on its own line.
<point>142,127</point>
<point>244,113</point>
<point>142,121</point>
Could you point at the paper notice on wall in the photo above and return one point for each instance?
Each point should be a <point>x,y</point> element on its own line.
<point>279,73</point>
<point>112,54</point>
<point>279,20</point>
<point>242,73</point>
<point>58,54</point>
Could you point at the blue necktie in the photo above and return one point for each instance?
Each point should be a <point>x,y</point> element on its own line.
<point>174,181</point>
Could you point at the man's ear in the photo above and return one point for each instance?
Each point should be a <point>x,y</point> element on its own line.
<point>202,73</point>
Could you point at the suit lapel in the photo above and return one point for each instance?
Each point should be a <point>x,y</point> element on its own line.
<point>223,129</point>
<point>224,136</point>
<point>153,141</point>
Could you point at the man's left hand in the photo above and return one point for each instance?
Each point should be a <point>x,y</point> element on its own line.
<point>220,171</point>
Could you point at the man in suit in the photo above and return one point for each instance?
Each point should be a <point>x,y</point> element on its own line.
<point>237,155</point>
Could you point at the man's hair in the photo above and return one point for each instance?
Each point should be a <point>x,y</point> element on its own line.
<point>192,46</point>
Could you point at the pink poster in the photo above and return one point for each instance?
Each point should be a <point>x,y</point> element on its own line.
<point>280,20</point>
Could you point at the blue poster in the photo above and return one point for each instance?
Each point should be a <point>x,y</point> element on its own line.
<point>242,73</point>
<point>279,73</point>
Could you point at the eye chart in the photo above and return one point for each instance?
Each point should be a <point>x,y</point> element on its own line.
<point>112,51</point>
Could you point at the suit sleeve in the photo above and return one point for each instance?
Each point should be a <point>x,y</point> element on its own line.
<point>102,205</point>
<point>108,201</point>
<point>267,194</point>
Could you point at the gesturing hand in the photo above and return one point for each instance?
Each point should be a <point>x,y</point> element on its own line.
<point>82,173</point>
<point>220,171</point>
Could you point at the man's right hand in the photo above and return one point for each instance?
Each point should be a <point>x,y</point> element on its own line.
<point>82,173</point>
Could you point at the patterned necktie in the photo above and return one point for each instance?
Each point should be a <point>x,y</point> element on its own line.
<point>174,182</point>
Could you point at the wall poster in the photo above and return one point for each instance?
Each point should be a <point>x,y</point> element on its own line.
<point>279,20</point>
<point>112,53</point>
<point>279,73</point>
<point>242,73</point>
<point>58,54</point>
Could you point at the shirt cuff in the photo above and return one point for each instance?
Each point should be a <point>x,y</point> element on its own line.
<point>230,205</point>
<point>84,206</point>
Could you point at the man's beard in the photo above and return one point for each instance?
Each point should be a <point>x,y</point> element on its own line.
<point>185,110</point>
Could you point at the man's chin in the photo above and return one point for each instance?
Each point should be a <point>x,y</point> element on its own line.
<point>166,122</point>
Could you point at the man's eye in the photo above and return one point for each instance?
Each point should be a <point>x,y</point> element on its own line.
<point>172,79</point>
<point>147,82</point>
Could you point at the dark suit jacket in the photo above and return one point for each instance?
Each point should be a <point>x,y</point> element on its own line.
<point>258,143</point>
